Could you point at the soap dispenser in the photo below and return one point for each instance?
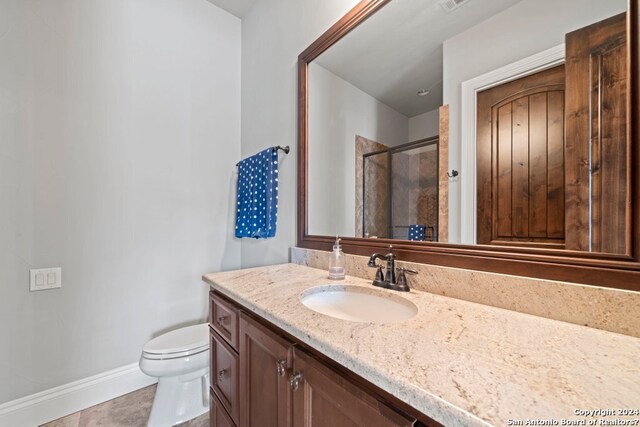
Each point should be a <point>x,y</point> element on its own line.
<point>336,262</point>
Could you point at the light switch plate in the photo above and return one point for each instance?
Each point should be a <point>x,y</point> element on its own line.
<point>45,278</point>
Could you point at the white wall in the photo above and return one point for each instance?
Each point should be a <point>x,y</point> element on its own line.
<point>338,111</point>
<point>524,29</point>
<point>119,131</point>
<point>274,33</point>
<point>424,125</point>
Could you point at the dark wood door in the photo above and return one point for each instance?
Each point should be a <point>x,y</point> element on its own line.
<point>265,362</point>
<point>520,161</point>
<point>322,398</point>
<point>598,150</point>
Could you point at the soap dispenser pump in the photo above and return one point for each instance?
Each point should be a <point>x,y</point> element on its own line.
<point>337,262</point>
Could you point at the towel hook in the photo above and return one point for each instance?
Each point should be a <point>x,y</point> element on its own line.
<point>453,173</point>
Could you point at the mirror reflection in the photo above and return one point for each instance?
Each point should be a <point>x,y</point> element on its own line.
<point>499,122</point>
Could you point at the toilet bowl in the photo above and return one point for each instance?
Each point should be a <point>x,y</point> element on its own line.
<point>180,361</point>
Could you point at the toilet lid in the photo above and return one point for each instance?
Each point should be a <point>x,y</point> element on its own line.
<point>191,339</point>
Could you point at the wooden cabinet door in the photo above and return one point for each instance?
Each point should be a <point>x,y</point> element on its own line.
<point>265,362</point>
<point>322,398</point>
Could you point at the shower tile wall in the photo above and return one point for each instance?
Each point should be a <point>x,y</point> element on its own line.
<point>415,194</point>
<point>443,166</point>
<point>402,183</point>
<point>426,192</point>
<point>376,200</point>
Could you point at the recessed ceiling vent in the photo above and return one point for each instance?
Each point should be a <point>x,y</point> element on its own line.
<point>451,5</point>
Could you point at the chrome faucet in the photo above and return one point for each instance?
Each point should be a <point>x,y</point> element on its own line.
<point>389,280</point>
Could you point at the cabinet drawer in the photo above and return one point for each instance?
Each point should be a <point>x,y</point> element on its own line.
<point>218,415</point>
<point>224,320</point>
<point>225,375</point>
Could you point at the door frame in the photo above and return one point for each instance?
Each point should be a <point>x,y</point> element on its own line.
<point>469,90</point>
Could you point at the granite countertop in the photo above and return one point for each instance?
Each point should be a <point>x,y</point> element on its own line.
<point>460,363</point>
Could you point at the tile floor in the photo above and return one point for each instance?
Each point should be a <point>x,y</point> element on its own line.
<point>130,410</point>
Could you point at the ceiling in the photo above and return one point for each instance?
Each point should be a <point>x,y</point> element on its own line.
<point>398,51</point>
<point>235,7</point>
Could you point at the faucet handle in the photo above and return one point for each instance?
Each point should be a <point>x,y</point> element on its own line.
<point>402,284</point>
<point>379,279</point>
<point>372,261</point>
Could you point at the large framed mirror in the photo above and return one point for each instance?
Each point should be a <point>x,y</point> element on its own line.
<point>493,135</point>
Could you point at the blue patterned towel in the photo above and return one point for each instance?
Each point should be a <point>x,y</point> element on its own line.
<point>417,232</point>
<point>257,207</point>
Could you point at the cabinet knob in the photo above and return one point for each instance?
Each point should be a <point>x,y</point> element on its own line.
<point>295,381</point>
<point>221,320</point>
<point>281,366</point>
<point>221,374</point>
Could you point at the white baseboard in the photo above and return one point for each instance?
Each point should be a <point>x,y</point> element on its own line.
<point>49,405</point>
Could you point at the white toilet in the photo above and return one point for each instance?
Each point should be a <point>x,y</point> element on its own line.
<point>180,361</point>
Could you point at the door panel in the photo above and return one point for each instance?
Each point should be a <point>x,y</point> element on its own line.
<point>519,127</point>
<point>598,176</point>
<point>504,174</point>
<point>266,359</point>
<point>555,164</point>
<point>325,399</point>
<point>538,106</point>
<point>520,143</point>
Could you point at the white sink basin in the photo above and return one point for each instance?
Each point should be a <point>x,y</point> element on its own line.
<point>358,304</point>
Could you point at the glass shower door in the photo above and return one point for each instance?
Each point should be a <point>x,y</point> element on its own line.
<point>376,195</point>
<point>414,192</point>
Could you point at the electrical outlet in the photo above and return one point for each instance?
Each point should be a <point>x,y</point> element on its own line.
<point>45,278</point>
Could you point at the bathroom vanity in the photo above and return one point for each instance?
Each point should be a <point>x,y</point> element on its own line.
<point>261,375</point>
<point>274,361</point>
